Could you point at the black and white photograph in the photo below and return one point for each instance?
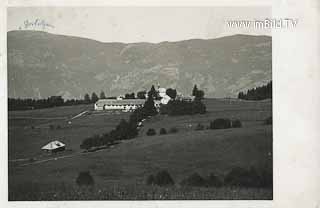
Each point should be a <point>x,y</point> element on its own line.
<point>140,103</point>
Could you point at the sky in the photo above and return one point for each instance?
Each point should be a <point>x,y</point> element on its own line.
<point>137,24</point>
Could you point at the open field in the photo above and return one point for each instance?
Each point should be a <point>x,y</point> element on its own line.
<point>131,161</point>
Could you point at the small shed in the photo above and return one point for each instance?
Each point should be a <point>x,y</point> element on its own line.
<point>54,146</point>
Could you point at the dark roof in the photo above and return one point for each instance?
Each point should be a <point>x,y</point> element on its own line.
<point>102,102</point>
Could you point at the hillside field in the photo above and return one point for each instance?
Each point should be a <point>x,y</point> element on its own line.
<point>125,167</point>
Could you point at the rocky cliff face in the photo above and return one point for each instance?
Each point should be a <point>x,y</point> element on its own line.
<point>42,64</point>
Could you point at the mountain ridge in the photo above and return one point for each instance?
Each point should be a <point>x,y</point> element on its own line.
<point>41,64</point>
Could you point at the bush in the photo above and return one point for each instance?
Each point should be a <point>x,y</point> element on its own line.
<point>163,131</point>
<point>51,127</point>
<point>236,123</point>
<point>243,177</point>
<point>173,130</point>
<point>199,127</point>
<point>151,132</point>
<point>214,180</point>
<point>150,180</point>
<point>194,180</point>
<point>84,179</point>
<point>220,123</point>
<point>163,178</point>
<point>268,121</point>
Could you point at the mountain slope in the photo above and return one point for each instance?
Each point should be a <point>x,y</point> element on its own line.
<point>41,64</point>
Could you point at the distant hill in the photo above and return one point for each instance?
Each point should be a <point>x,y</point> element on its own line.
<point>41,64</point>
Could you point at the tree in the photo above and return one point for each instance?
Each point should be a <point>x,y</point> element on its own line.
<point>94,97</point>
<point>129,96</point>
<point>194,91</point>
<point>199,94</point>
<point>102,95</point>
<point>87,98</point>
<point>141,95</point>
<point>149,108</point>
<point>258,93</point>
<point>152,93</point>
<point>171,93</point>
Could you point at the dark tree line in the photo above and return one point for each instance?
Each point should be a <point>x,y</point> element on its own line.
<point>53,101</point>
<point>29,104</point>
<point>258,93</point>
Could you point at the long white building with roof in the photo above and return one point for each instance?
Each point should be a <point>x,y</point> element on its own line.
<point>118,104</point>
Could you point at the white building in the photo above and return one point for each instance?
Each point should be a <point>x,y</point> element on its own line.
<point>54,146</point>
<point>119,104</point>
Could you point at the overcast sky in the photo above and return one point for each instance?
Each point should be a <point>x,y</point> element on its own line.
<point>138,24</point>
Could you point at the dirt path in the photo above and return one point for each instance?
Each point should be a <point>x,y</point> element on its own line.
<point>79,115</point>
<point>50,159</point>
<point>54,158</point>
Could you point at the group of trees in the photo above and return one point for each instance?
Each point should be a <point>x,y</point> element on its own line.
<point>251,177</point>
<point>258,93</point>
<point>182,107</point>
<point>125,129</point>
<point>52,101</point>
<point>29,104</point>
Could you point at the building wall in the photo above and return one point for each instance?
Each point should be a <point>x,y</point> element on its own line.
<point>117,107</point>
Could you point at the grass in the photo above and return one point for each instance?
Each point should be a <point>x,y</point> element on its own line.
<point>27,135</point>
<point>130,162</point>
<point>35,192</point>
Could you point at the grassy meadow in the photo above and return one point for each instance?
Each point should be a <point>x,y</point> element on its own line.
<point>120,171</point>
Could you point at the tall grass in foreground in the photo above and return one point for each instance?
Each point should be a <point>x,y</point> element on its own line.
<point>35,192</point>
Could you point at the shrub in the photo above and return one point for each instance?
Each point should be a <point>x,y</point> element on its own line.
<point>58,127</point>
<point>151,132</point>
<point>214,180</point>
<point>194,180</point>
<point>243,177</point>
<point>150,180</point>
<point>236,123</point>
<point>163,178</point>
<point>199,127</point>
<point>51,127</point>
<point>163,131</point>
<point>268,121</point>
<point>173,130</point>
<point>84,179</point>
<point>220,123</point>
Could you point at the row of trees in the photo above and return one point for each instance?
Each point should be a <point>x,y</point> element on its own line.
<point>29,104</point>
<point>258,93</point>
